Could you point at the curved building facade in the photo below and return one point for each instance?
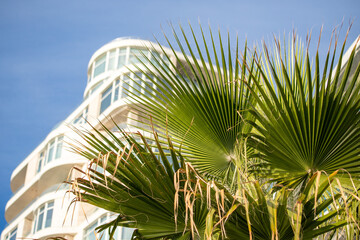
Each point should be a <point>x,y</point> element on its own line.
<point>40,206</point>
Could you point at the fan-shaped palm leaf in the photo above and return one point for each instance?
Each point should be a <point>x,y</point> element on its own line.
<point>307,120</point>
<point>164,197</point>
<point>127,178</point>
<point>199,101</point>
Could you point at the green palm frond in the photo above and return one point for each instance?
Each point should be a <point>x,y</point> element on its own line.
<point>126,177</point>
<point>307,120</point>
<point>163,197</point>
<point>200,100</point>
<point>242,146</point>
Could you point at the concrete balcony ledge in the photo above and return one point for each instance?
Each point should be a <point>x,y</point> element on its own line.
<point>53,173</point>
<point>56,192</point>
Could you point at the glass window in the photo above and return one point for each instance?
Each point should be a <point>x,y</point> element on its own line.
<point>40,219</point>
<point>50,151</point>
<point>40,163</point>
<point>100,65</point>
<point>85,113</point>
<point>122,57</point>
<point>89,232</point>
<point>110,95</point>
<point>125,87</point>
<point>117,90</point>
<point>126,233</point>
<point>43,216</point>
<point>11,235</point>
<point>49,214</point>
<point>59,147</point>
<point>137,83</point>
<point>78,119</point>
<point>81,119</point>
<point>137,55</point>
<point>137,86</point>
<point>112,58</point>
<point>106,99</point>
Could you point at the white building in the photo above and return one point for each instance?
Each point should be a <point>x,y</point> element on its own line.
<point>38,207</point>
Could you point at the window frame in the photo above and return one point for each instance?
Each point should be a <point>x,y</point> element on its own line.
<point>11,235</point>
<point>54,145</point>
<point>102,59</point>
<point>134,82</point>
<point>43,210</point>
<point>82,117</point>
<point>104,218</point>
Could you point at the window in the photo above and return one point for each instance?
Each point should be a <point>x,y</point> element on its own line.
<point>59,147</point>
<point>122,57</point>
<point>81,119</point>
<point>11,235</point>
<point>100,65</point>
<point>110,95</point>
<point>121,233</point>
<point>112,58</point>
<point>137,83</point>
<point>90,231</point>
<point>106,99</point>
<point>40,163</point>
<point>126,233</point>
<point>116,90</point>
<point>120,88</point>
<point>43,216</point>
<point>52,151</point>
<point>125,87</point>
<point>138,55</point>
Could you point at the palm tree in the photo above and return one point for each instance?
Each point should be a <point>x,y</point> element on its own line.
<point>256,144</point>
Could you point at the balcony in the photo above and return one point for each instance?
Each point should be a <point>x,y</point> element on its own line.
<point>52,174</point>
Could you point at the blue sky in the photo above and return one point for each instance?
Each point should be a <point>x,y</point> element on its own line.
<point>45,47</point>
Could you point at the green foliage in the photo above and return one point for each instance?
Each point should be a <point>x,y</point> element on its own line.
<point>245,145</point>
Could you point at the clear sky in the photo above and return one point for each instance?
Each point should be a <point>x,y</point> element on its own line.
<point>45,47</point>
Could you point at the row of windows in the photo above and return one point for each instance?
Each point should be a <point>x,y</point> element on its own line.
<point>118,90</point>
<point>43,219</point>
<point>52,151</point>
<point>117,58</point>
<point>43,216</point>
<point>137,83</point>
<point>120,233</point>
